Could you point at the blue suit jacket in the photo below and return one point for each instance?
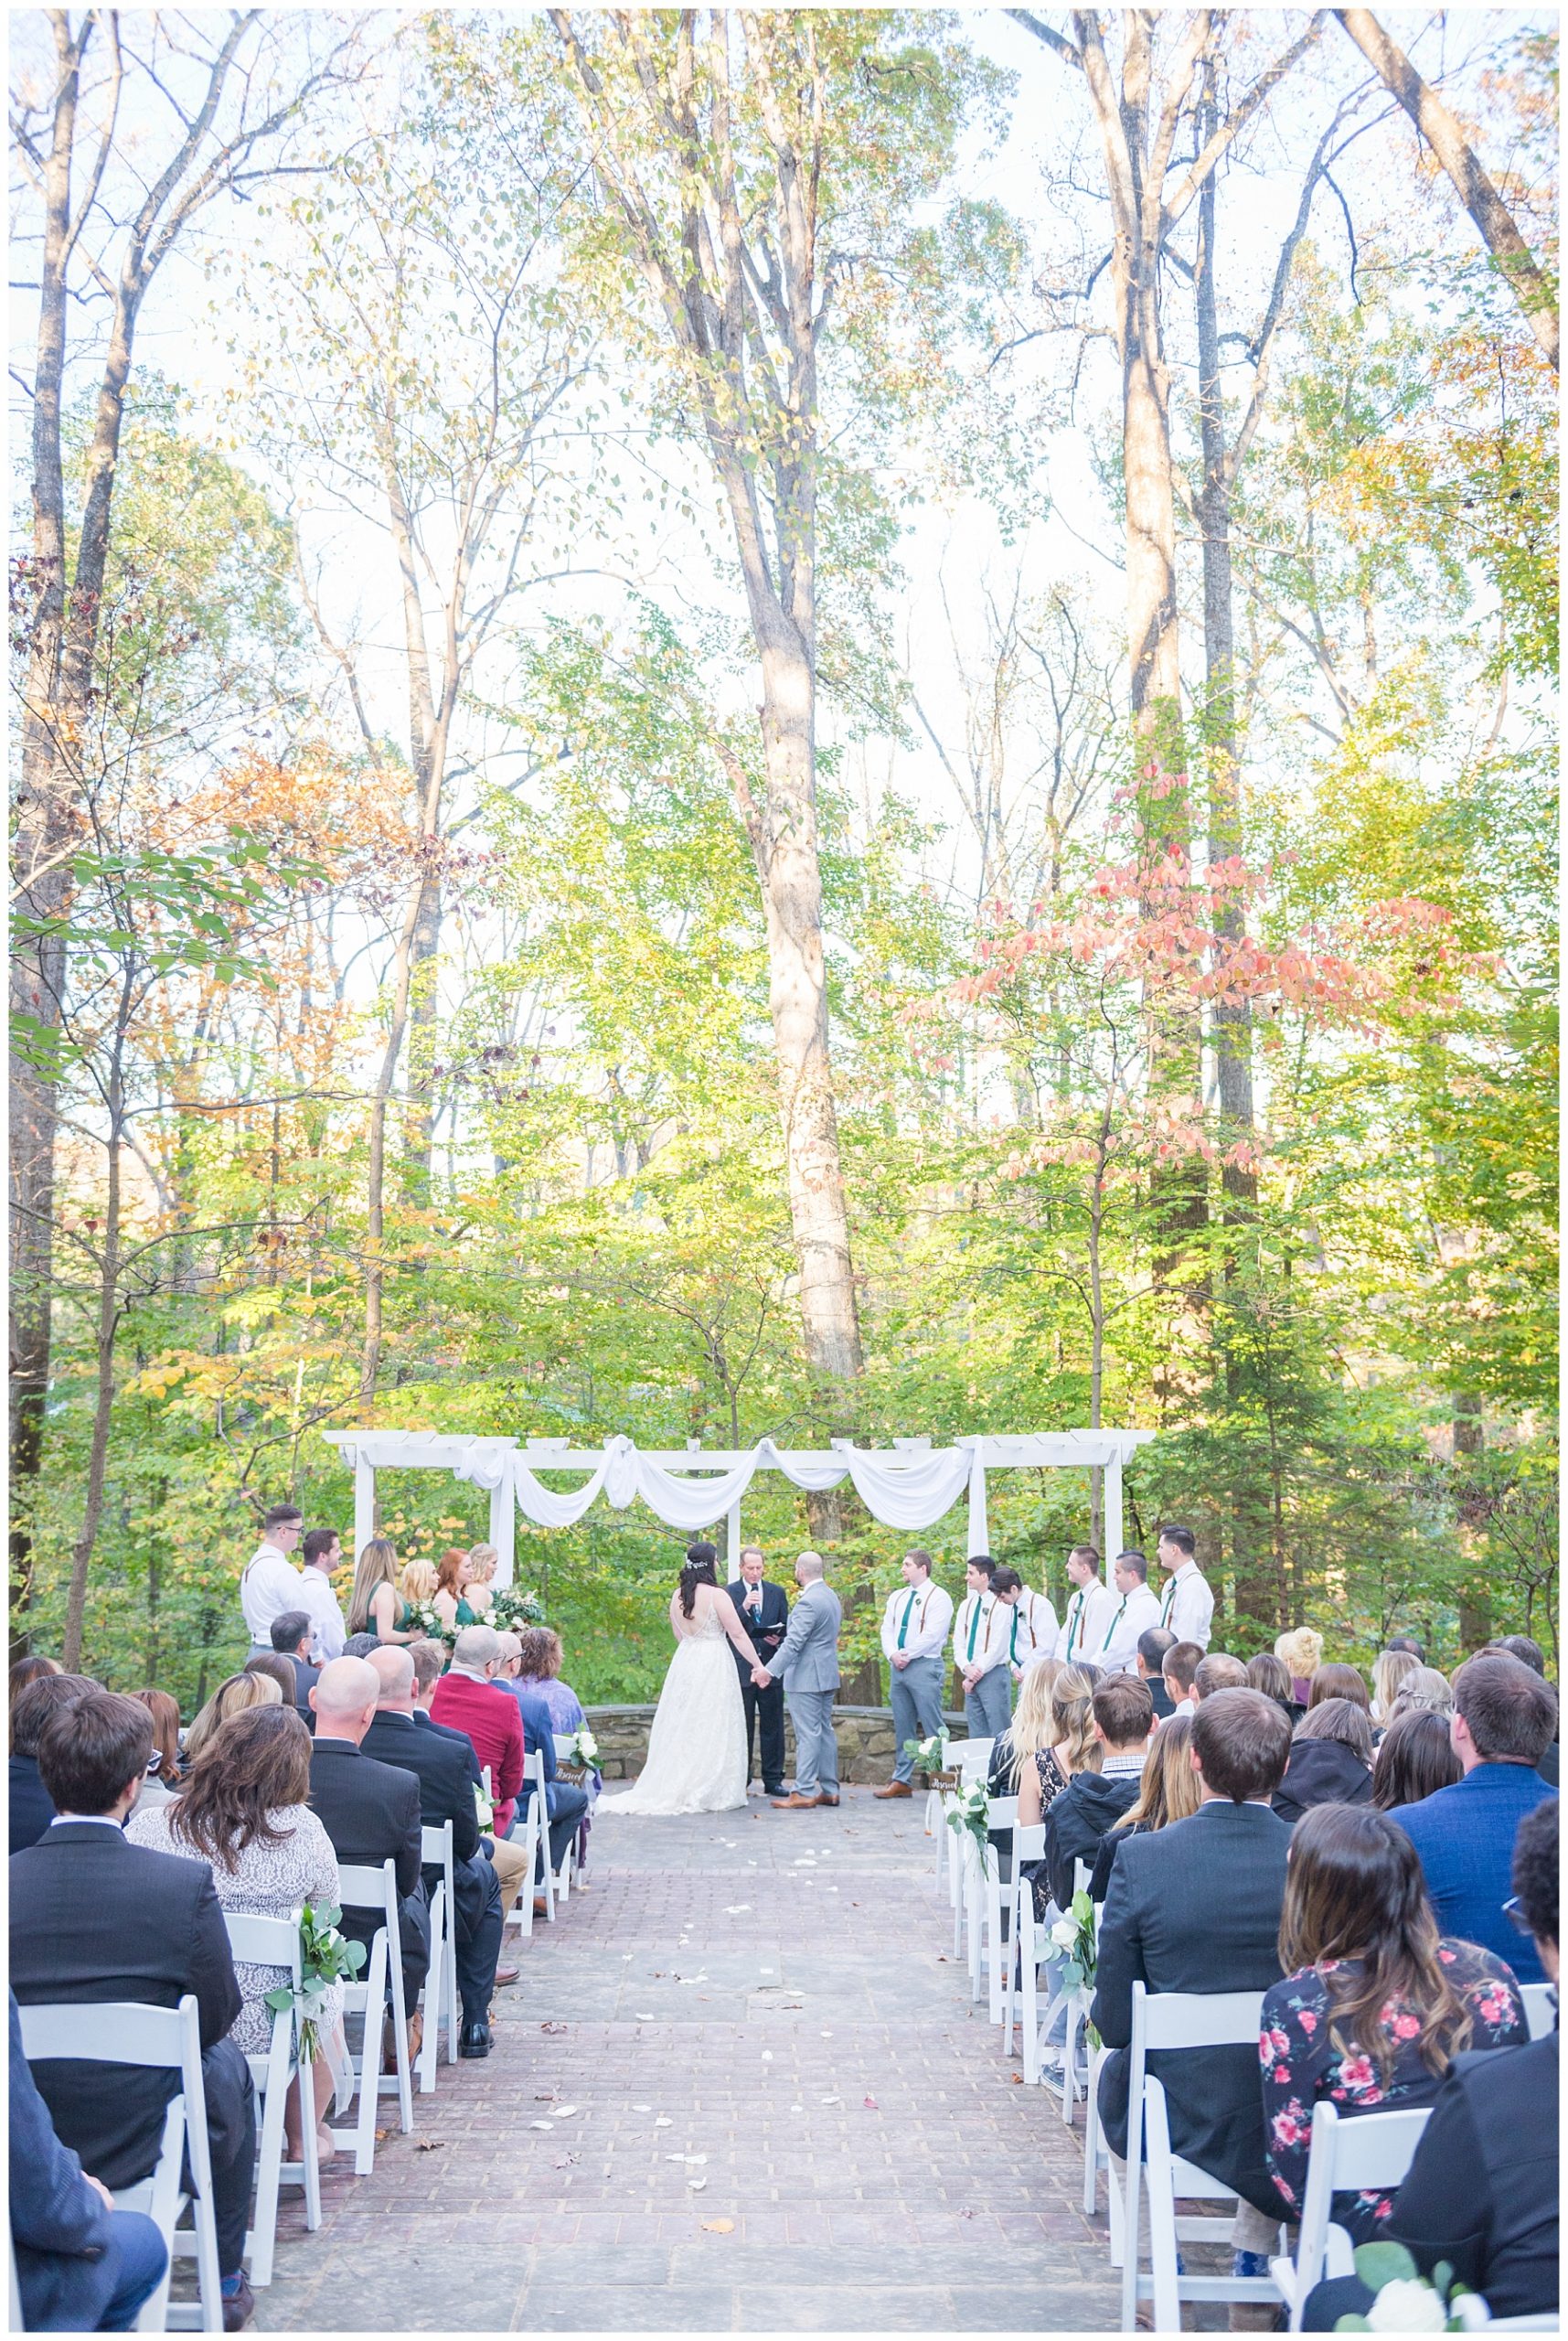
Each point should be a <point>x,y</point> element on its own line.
<point>1465,1837</point>
<point>61,2228</point>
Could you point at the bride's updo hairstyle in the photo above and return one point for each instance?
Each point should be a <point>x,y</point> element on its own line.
<point>701,1568</point>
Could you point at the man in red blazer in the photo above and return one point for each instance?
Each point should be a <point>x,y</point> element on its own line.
<point>469,1699</point>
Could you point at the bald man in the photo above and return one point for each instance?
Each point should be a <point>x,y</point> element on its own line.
<point>371,1813</point>
<point>444,1770</point>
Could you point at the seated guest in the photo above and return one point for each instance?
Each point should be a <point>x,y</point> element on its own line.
<point>27,1670</point>
<point>1179,1667</point>
<point>232,1697</point>
<point>1026,1744</point>
<point>1425,1691</point>
<point>361,1645</point>
<point>277,1669</point>
<point>1196,1908</point>
<point>566,1804</point>
<point>1149,1665</point>
<point>1218,1670</point>
<point>1415,1758</point>
<point>81,2265</point>
<point>163,1765</point>
<point>1123,1718</point>
<point>468,1698</point>
<point>31,1811</point>
<point>1392,1669</point>
<point>444,1770</point>
<point>1267,1674</point>
<point>453,1575</point>
<point>1374,2004</point>
<point>242,1808</point>
<point>1167,1793</point>
<point>1330,1759</point>
<point>1336,1681</point>
<point>371,1813</point>
<point>1504,1717</point>
<point>508,1861</point>
<point>1301,1650</point>
<point>1073,1748</point>
<point>294,1640</point>
<point>95,1918</point>
<point>538,1675</point>
<point>1529,1652</point>
<point>375,1605</point>
<point>1403,1641</point>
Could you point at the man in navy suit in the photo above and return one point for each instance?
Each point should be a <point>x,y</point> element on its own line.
<point>1504,1716</point>
<point>764,1612</point>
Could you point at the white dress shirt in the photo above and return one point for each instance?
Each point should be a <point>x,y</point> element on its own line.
<point>1034,1632</point>
<point>270,1585</point>
<point>1089,1613</point>
<point>1118,1651</point>
<point>978,1623</point>
<point>921,1613</point>
<point>1188,1609</point>
<point>321,1606</point>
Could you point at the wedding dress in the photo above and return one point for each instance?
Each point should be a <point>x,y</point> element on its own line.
<point>696,1748</point>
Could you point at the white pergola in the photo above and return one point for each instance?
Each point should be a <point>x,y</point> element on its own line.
<point>909,1485</point>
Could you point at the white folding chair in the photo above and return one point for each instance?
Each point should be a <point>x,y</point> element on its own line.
<point>439,1997</point>
<point>1539,2008</point>
<point>1029,1845</point>
<point>556,1882</point>
<point>527,1839</point>
<point>1168,2021</point>
<point>126,2032</point>
<point>972,1761</point>
<point>373,1889</point>
<point>990,1951</point>
<point>1078,2006</point>
<point>1373,2150</point>
<point>276,1942</point>
<point>16,2326</point>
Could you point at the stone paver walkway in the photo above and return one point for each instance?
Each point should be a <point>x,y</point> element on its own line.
<point>764,1991</point>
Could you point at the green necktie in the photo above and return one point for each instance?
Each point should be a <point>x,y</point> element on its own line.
<point>909,1613</point>
<point>1113,1624</point>
<point>1013,1637</point>
<point>975,1621</point>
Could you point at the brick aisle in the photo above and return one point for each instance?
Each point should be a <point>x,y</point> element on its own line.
<point>764,1991</point>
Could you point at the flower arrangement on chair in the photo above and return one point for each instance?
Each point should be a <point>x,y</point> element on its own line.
<point>1406,2301</point>
<point>327,1957</point>
<point>970,1812</point>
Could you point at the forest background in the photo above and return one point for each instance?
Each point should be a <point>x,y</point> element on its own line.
<point>817,724</point>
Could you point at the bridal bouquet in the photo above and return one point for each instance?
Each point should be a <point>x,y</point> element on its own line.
<point>511,1609</point>
<point>970,1809</point>
<point>425,1620</point>
<point>581,1748</point>
<point>326,1957</point>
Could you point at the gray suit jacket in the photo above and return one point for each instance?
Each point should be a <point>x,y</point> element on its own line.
<point>809,1658</point>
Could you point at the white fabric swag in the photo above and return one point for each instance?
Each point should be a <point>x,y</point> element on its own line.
<point>906,1491</point>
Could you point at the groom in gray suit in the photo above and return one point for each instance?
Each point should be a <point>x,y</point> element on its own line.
<point>807,1664</point>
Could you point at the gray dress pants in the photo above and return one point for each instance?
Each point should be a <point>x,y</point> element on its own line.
<point>915,1693</point>
<point>816,1745</point>
<point>988,1707</point>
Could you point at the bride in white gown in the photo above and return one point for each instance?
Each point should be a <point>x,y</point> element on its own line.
<point>696,1748</point>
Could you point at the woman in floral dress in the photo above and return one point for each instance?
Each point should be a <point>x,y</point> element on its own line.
<point>1374,2004</point>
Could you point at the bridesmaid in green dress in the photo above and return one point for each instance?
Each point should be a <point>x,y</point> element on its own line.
<point>376,1606</point>
<point>455,1570</point>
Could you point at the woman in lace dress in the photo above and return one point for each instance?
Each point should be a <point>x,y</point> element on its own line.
<point>696,1748</point>
<point>244,1809</point>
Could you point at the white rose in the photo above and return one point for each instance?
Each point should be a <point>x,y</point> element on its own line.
<point>1066,1933</point>
<point>1407,2305</point>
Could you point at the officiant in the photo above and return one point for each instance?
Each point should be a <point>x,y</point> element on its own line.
<point>764,1612</point>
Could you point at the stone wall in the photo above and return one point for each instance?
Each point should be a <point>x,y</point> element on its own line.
<point>865,1741</point>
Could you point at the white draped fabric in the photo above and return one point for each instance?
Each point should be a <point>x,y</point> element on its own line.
<point>908,1491</point>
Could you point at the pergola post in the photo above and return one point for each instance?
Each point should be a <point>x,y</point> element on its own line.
<point>364,1504</point>
<point>503,1530</point>
<point>1112,1499</point>
<point>733,1518</point>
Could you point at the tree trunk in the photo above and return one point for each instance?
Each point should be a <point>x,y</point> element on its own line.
<point>376,1167</point>
<point>1474,1591</point>
<point>1480,198</point>
<point>107,1326</point>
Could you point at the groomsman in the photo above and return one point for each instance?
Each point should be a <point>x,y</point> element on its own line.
<point>763,1612</point>
<point>1188,1609</point>
<point>1032,1631</point>
<point>980,1652</point>
<point>1139,1611</point>
<point>1089,1611</point>
<point>914,1635</point>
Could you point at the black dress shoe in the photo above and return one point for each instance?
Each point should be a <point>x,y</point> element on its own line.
<point>476,2040</point>
<point>775,1788</point>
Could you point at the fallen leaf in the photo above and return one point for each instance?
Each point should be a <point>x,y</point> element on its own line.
<point>1017,2080</point>
<point>797,2109</point>
<point>733,1910</point>
<point>552,2027</point>
<point>719,2227</point>
<point>767,2056</point>
<point>642,2109</point>
<point>871,2101</point>
<point>428,2145</point>
<point>563,2112</point>
<point>541,2125</point>
<point>696,2185</point>
<point>564,2162</point>
<point>645,2016</point>
<point>664,2122</point>
<point>826,2101</point>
